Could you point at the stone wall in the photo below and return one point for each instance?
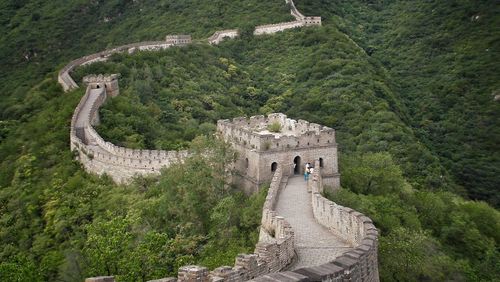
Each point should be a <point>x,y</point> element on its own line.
<point>359,264</point>
<point>300,20</point>
<point>259,150</point>
<point>102,157</point>
<point>273,28</point>
<point>221,35</point>
<point>64,78</point>
<point>294,11</point>
<point>301,134</point>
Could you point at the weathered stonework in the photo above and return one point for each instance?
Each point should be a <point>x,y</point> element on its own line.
<point>297,143</point>
<point>108,82</point>
<point>64,78</point>
<point>102,157</point>
<point>357,264</point>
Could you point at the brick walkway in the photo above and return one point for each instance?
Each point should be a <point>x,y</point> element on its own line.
<point>314,244</point>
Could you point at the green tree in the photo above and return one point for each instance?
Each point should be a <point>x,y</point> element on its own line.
<point>372,173</point>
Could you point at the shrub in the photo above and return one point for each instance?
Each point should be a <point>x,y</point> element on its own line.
<point>274,127</point>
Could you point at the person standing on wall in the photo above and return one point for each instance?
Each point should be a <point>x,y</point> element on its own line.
<point>306,172</point>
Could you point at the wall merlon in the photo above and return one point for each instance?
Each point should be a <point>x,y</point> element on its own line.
<point>252,133</point>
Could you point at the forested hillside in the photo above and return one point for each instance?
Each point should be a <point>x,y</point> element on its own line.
<point>442,59</point>
<point>408,88</point>
<point>40,36</point>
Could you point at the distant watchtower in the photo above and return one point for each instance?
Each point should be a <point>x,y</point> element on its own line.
<point>178,40</point>
<point>263,143</point>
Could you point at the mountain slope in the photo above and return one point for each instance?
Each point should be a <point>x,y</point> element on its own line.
<point>442,60</point>
<point>395,168</point>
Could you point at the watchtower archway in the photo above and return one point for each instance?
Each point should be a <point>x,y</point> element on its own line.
<point>296,165</point>
<point>274,166</point>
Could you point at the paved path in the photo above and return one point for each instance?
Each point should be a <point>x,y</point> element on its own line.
<point>314,244</point>
<point>81,119</point>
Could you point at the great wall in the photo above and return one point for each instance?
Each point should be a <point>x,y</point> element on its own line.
<point>303,236</point>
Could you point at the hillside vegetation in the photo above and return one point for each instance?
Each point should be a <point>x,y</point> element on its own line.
<point>400,137</point>
<point>442,58</point>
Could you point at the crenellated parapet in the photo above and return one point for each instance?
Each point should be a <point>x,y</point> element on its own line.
<point>109,82</point>
<point>273,28</point>
<point>358,264</point>
<point>270,149</point>
<point>103,157</point>
<point>64,78</point>
<point>178,40</point>
<point>265,142</point>
<point>255,133</point>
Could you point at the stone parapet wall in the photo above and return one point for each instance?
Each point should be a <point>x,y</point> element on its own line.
<point>102,157</point>
<point>294,11</point>
<point>131,157</point>
<point>221,35</point>
<point>64,78</point>
<point>300,20</point>
<point>359,264</point>
<point>245,132</point>
<point>273,28</point>
<point>67,82</point>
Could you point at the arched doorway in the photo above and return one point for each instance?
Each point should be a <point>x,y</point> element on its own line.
<point>321,162</point>
<point>274,166</point>
<point>296,165</point>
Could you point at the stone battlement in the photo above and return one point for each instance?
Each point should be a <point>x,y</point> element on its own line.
<point>358,264</point>
<point>102,157</point>
<point>67,82</point>
<point>253,133</point>
<point>64,78</point>
<point>99,78</point>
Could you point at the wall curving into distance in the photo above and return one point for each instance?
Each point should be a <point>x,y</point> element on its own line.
<point>275,250</point>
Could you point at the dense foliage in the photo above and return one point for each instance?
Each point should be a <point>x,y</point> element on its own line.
<point>38,36</point>
<point>407,85</point>
<point>442,58</point>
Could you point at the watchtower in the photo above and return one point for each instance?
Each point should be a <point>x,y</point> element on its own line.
<point>264,142</point>
<point>108,82</point>
<point>180,39</point>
